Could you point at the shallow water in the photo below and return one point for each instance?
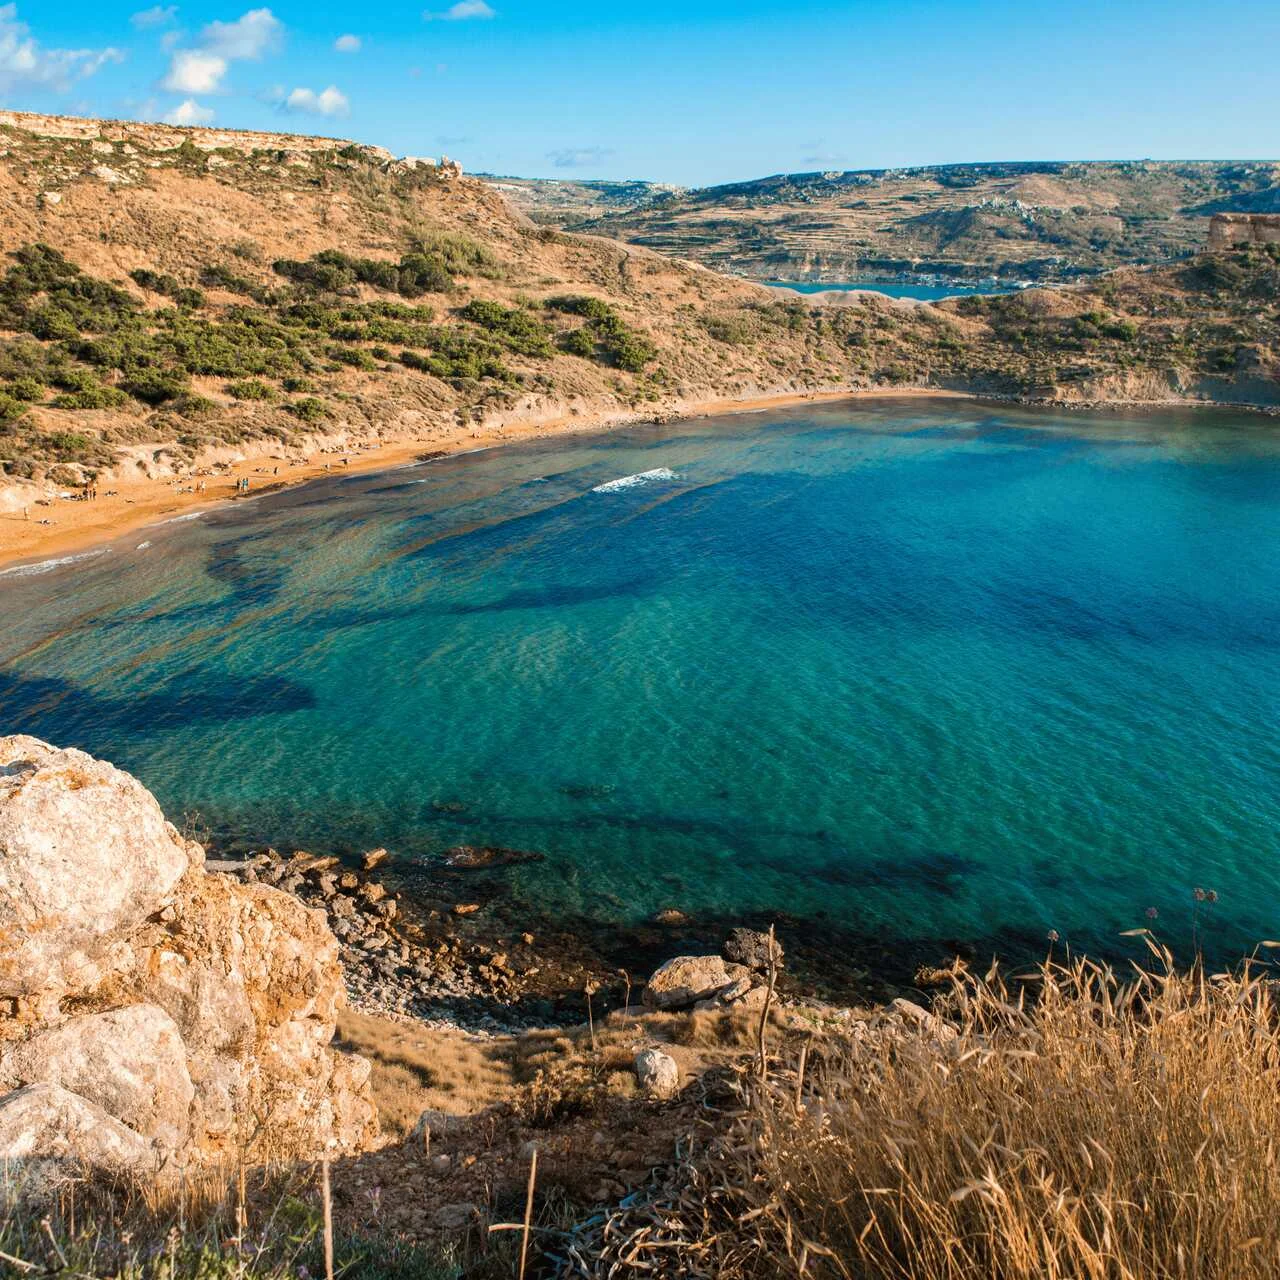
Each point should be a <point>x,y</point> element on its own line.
<point>934,671</point>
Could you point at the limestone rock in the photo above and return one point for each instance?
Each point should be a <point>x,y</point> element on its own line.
<point>657,1073</point>
<point>130,1062</point>
<point>48,1134</point>
<point>205,1006</point>
<point>922,1019</point>
<point>685,980</point>
<point>84,853</point>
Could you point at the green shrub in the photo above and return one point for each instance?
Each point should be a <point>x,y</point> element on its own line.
<point>28,389</point>
<point>579,342</point>
<point>250,389</point>
<point>190,405</point>
<point>1121,330</point>
<point>580,305</point>
<point>514,327</point>
<point>73,377</point>
<point>94,397</point>
<point>294,385</point>
<point>355,357</point>
<point>11,408</point>
<point>333,271</point>
<point>216,276</point>
<point>734,330</point>
<point>68,446</point>
<point>308,409</point>
<point>169,287</point>
<point>156,386</point>
<point>619,344</point>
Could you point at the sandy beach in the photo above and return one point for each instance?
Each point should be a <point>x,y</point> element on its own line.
<point>64,526</point>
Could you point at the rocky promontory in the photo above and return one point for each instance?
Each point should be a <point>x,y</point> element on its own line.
<point>152,1015</point>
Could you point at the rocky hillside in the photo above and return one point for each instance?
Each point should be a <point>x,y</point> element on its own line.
<point>1033,221</point>
<point>172,291</point>
<point>177,295</point>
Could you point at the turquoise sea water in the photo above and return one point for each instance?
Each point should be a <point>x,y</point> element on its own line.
<point>928,670</point>
<point>921,292</point>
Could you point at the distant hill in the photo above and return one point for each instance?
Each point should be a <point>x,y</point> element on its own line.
<point>1039,221</point>
<point>169,295</point>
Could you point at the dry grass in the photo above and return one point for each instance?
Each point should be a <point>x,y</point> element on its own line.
<point>418,1068</point>
<point>1072,1124</point>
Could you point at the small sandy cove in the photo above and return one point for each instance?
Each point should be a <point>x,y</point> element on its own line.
<point>63,526</point>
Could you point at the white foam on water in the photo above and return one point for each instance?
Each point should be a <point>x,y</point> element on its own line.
<point>194,515</point>
<point>142,546</point>
<point>47,566</point>
<point>630,482</point>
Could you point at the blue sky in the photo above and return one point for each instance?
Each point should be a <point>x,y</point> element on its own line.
<point>689,93</point>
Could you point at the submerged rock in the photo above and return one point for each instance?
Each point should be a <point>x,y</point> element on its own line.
<point>466,857</point>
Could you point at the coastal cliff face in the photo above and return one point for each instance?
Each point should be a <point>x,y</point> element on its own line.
<point>153,1015</point>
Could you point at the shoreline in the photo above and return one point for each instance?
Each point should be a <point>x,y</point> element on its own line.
<point>82,527</point>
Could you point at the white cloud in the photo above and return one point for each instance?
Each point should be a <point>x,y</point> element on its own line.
<point>328,102</point>
<point>190,112</point>
<point>193,71</point>
<point>249,37</point>
<point>461,12</point>
<point>578,157</point>
<point>201,70</point>
<point>160,15</point>
<point>24,61</point>
<point>347,44</point>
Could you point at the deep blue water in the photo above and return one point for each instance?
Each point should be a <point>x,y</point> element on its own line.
<point>933,670</point>
<point>921,292</point>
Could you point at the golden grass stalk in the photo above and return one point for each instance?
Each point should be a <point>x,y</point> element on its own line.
<point>1069,1124</point>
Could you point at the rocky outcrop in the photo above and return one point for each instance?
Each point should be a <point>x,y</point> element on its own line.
<point>753,949</point>
<point>192,1012</point>
<point>85,857</point>
<point>46,1132</point>
<point>1227,230</point>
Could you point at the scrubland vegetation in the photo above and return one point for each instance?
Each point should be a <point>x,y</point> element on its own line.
<point>1070,1121</point>
<point>346,293</point>
<point>83,344</point>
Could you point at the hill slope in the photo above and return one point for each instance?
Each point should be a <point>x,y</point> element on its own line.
<point>178,295</point>
<point>1022,221</point>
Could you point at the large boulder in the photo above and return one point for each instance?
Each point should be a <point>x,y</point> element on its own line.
<point>130,1062</point>
<point>48,1134</point>
<point>684,981</point>
<point>85,855</point>
<point>194,1011</point>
